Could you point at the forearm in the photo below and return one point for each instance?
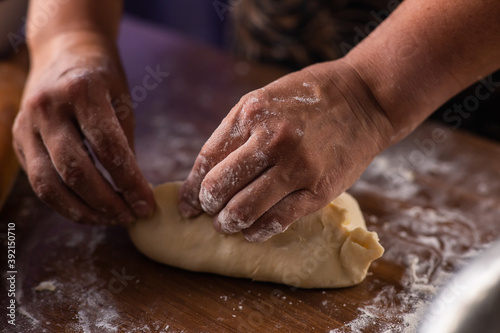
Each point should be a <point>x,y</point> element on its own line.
<point>85,18</point>
<point>426,52</point>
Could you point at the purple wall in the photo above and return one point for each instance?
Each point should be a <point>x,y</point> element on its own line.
<point>196,18</point>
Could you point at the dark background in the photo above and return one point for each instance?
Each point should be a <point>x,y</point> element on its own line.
<point>199,19</point>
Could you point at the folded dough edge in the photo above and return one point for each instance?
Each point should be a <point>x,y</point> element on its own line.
<point>329,248</point>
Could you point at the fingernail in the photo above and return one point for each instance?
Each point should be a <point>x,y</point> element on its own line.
<point>126,219</point>
<point>142,209</point>
<point>265,232</point>
<point>231,223</point>
<point>227,225</point>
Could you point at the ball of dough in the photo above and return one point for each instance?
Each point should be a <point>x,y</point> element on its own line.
<point>329,248</point>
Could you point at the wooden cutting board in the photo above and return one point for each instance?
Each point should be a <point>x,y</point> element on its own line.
<point>433,199</point>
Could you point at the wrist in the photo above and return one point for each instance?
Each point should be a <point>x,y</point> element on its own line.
<point>79,43</point>
<point>79,17</point>
<point>345,81</point>
<point>404,105</point>
<point>412,70</point>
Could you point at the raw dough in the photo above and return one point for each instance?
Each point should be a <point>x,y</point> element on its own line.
<point>326,249</point>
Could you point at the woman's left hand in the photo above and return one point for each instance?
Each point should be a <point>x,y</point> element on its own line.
<point>286,150</point>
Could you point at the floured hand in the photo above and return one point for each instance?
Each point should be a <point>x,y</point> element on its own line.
<point>75,98</point>
<point>286,150</point>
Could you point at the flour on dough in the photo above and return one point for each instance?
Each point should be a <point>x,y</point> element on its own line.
<point>329,248</point>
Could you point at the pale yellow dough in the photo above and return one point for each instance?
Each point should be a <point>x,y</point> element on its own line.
<point>330,248</point>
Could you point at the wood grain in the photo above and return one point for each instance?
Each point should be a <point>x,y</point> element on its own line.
<point>435,205</point>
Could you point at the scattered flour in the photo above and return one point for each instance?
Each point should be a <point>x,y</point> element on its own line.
<point>436,246</point>
<point>49,285</point>
<point>301,99</point>
<point>307,100</point>
<point>398,179</point>
<point>22,310</point>
<point>169,136</point>
<point>431,243</point>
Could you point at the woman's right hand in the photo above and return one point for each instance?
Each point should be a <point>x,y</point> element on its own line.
<point>76,97</point>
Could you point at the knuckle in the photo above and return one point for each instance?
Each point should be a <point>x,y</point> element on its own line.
<point>43,189</point>
<point>252,106</point>
<point>73,175</point>
<point>80,84</point>
<point>204,163</point>
<point>69,164</point>
<point>123,164</point>
<point>284,135</point>
<point>110,151</point>
<point>19,129</point>
<point>76,215</point>
<point>252,112</point>
<point>42,103</point>
<point>250,98</point>
<point>320,192</point>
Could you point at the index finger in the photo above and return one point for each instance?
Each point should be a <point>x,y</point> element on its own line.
<point>225,139</point>
<point>110,145</point>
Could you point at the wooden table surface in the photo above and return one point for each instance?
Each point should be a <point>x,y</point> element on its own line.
<point>433,199</point>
